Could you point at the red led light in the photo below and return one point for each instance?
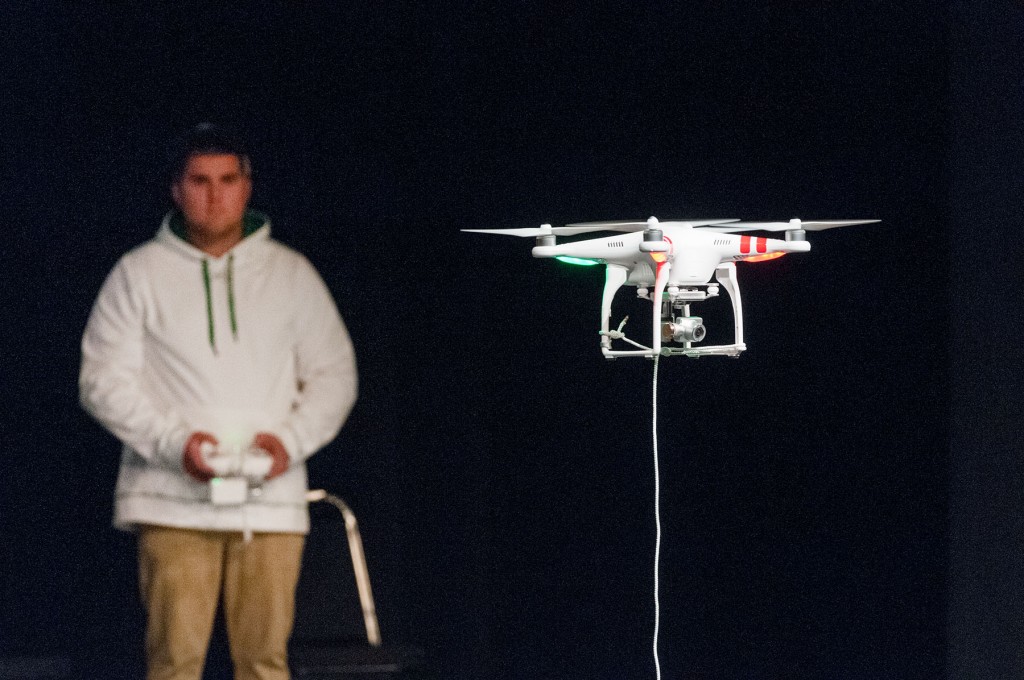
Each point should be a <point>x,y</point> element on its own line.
<point>763,258</point>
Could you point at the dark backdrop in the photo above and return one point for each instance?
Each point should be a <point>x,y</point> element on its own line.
<point>501,469</point>
<point>986,572</point>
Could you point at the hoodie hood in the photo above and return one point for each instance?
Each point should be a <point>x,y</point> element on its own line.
<point>244,255</point>
<point>255,229</point>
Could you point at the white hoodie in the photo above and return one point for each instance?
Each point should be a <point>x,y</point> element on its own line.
<point>179,341</point>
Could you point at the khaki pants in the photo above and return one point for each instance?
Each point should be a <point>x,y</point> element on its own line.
<point>182,575</point>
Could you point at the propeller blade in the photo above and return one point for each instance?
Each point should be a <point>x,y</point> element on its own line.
<point>822,225</point>
<point>608,223</point>
<point>806,225</point>
<point>640,225</point>
<point>541,231</point>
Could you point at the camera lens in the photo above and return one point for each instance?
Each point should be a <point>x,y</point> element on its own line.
<point>688,329</point>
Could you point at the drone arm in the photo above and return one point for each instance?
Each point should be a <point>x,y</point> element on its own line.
<point>657,295</point>
<point>615,276</point>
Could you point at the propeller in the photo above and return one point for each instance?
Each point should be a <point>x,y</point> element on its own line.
<point>794,224</point>
<point>638,225</point>
<point>588,227</point>
<point>733,225</point>
<point>545,230</point>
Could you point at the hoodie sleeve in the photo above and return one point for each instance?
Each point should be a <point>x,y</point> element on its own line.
<point>110,382</point>
<point>326,371</point>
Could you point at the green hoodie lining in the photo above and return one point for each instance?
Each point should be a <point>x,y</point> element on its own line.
<point>251,221</point>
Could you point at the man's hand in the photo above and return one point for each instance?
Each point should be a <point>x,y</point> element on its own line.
<point>275,449</point>
<point>192,459</point>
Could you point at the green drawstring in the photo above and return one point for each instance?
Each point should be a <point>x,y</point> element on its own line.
<point>209,302</point>
<point>231,296</point>
<point>209,307</point>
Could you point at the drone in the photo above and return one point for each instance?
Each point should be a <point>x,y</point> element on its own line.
<point>672,264</point>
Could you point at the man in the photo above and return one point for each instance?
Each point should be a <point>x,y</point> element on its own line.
<point>212,337</point>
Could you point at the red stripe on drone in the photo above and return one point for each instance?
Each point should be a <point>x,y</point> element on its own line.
<point>762,245</point>
<point>744,244</point>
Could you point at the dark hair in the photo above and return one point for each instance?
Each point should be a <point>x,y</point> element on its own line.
<point>206,138</point>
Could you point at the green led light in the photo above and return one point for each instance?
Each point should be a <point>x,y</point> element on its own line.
<point>575,260</point>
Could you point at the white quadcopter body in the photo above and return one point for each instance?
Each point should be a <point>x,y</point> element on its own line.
<point>672,265</point>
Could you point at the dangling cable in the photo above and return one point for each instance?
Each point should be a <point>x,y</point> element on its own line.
<point>657,516</point>
<point>619,335</point>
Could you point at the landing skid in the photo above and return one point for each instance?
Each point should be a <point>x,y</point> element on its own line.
<point>663,302</point>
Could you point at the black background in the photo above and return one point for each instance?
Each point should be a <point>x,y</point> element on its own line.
<point>501,468</point>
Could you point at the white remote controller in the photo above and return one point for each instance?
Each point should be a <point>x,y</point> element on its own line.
<point>233,478</point>
<point>221,465</point>
<point>254,466</point>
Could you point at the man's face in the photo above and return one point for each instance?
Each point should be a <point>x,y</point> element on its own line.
<point>213,193</point>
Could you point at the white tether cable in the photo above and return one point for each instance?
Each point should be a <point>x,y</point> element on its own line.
<point>657,516</point>
<point>619,335</point>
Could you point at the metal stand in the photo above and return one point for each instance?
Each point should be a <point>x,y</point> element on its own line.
<point>355,547</point>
